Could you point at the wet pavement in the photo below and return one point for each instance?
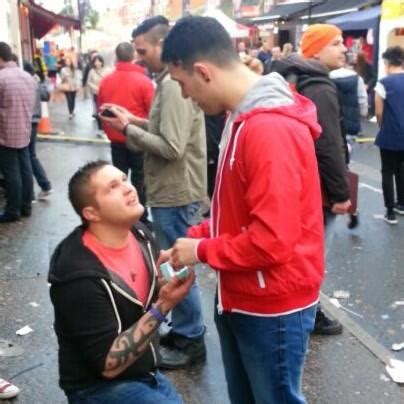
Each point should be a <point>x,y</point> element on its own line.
<point>367,262</point>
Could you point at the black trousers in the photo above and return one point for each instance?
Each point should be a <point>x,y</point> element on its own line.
<point>126,160</point>
<point>392,171</point>
<point>71,100</point>
<point>97,118</point>
<point>16,167</point>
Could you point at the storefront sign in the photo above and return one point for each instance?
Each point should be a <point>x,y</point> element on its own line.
<point>392,9</point>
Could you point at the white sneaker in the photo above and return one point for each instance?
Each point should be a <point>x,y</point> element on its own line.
<point>43,195</point>
<point>8,390</point>
<point>373,119</point>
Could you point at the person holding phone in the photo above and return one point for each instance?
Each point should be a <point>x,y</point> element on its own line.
<point>174,142</point>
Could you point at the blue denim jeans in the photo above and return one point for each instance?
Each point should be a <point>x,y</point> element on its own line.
<point>264,356</point>
<point>152,390</point>
<point>170,224</point>
<point>37,167</point>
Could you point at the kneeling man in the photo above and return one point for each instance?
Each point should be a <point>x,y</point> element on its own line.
<point>108,306</point>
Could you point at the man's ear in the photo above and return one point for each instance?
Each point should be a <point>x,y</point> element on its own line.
<point>203,71</point>
<point>90,213</point>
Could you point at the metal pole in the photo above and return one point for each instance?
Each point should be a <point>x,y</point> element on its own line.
<point>310,6</point>
<point>80,19</point>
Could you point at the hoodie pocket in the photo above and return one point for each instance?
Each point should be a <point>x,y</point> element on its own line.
<point>252,283</point>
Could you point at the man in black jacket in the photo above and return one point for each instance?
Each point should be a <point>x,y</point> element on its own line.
<point>104,290</point>
<point>323,50</point>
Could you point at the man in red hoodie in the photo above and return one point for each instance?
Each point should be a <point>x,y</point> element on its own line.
<point>129,87</point>
<point>265,236</point>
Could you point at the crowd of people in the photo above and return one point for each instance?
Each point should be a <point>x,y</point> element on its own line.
<point>264,133</point>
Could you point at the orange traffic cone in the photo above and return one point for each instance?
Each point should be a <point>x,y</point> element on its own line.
<point>44,125</point>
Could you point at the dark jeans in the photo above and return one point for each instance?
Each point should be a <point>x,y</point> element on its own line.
<point>97,118</point>
<point>155,389</point>
<point>263,357</point>
<point>392,167</point>
<point>37,168</point>
<point>71,100</point>
<point>212,168</point>
<point>126,160</point>
<point>16,167</point>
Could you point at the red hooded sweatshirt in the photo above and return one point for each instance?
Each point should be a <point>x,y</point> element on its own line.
<point>265,237</point>
<point>129,87</point>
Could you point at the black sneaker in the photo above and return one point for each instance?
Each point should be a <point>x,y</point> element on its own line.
<point>399,209</point>
<point>193,352</point>
<point>168,339</point>
<point>353,221</point>
<point>390,216</point>
<point>8,218</point>
<point>325,326</point>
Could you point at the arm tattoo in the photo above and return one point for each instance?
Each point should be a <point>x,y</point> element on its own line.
<point>130,344</point>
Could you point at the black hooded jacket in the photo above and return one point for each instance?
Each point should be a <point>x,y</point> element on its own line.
<point>92,307</point>
<point>312,80</point>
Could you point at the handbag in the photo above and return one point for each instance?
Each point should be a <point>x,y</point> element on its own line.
<point>63,87</point>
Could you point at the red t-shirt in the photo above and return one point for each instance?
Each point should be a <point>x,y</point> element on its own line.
<point>126,262</point>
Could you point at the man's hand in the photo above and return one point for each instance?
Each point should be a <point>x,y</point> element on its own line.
<point>183,253</point>
<point>341,208</point>
<point>121,119</point>
<point>163,257</point>
<point>174,291</point>
<point>131,118</point>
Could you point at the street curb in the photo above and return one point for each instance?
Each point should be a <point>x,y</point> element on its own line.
<point>72,139</point>
<point>378,350</point>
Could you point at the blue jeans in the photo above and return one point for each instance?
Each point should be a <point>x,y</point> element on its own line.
<point>170,224</point>
<point>37,168</point>
<point>264,356</point>
<point>152,390</point>
<point>16,167</point>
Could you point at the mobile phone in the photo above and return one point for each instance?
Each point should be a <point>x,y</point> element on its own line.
<point>108,113</point>
<point>168,271</point>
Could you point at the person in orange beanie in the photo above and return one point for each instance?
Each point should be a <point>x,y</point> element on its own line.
<point>322,50</point>
<point>317,37</point>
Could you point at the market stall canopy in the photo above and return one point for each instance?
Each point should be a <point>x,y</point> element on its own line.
<point>361,20</point>
<point>283,12</point>
<point>332,8</point>
<point>42,20</point>
<point>234,29</point>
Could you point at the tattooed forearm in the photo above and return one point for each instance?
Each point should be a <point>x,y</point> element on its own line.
<point>130,345</point>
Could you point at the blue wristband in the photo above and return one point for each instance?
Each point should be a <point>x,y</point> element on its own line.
<point>155,312</point>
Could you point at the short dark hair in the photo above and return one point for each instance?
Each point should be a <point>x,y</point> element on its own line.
<point>394,55</point>
<point>196,38</point>
<point>155,28</point>
<point>97,57</point>
<point>124,52</point>
<point>29,68</point>
<point>80,192</point>
<point>5,52</point>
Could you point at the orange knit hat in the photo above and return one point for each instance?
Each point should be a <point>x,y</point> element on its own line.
<point>317,37</point>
